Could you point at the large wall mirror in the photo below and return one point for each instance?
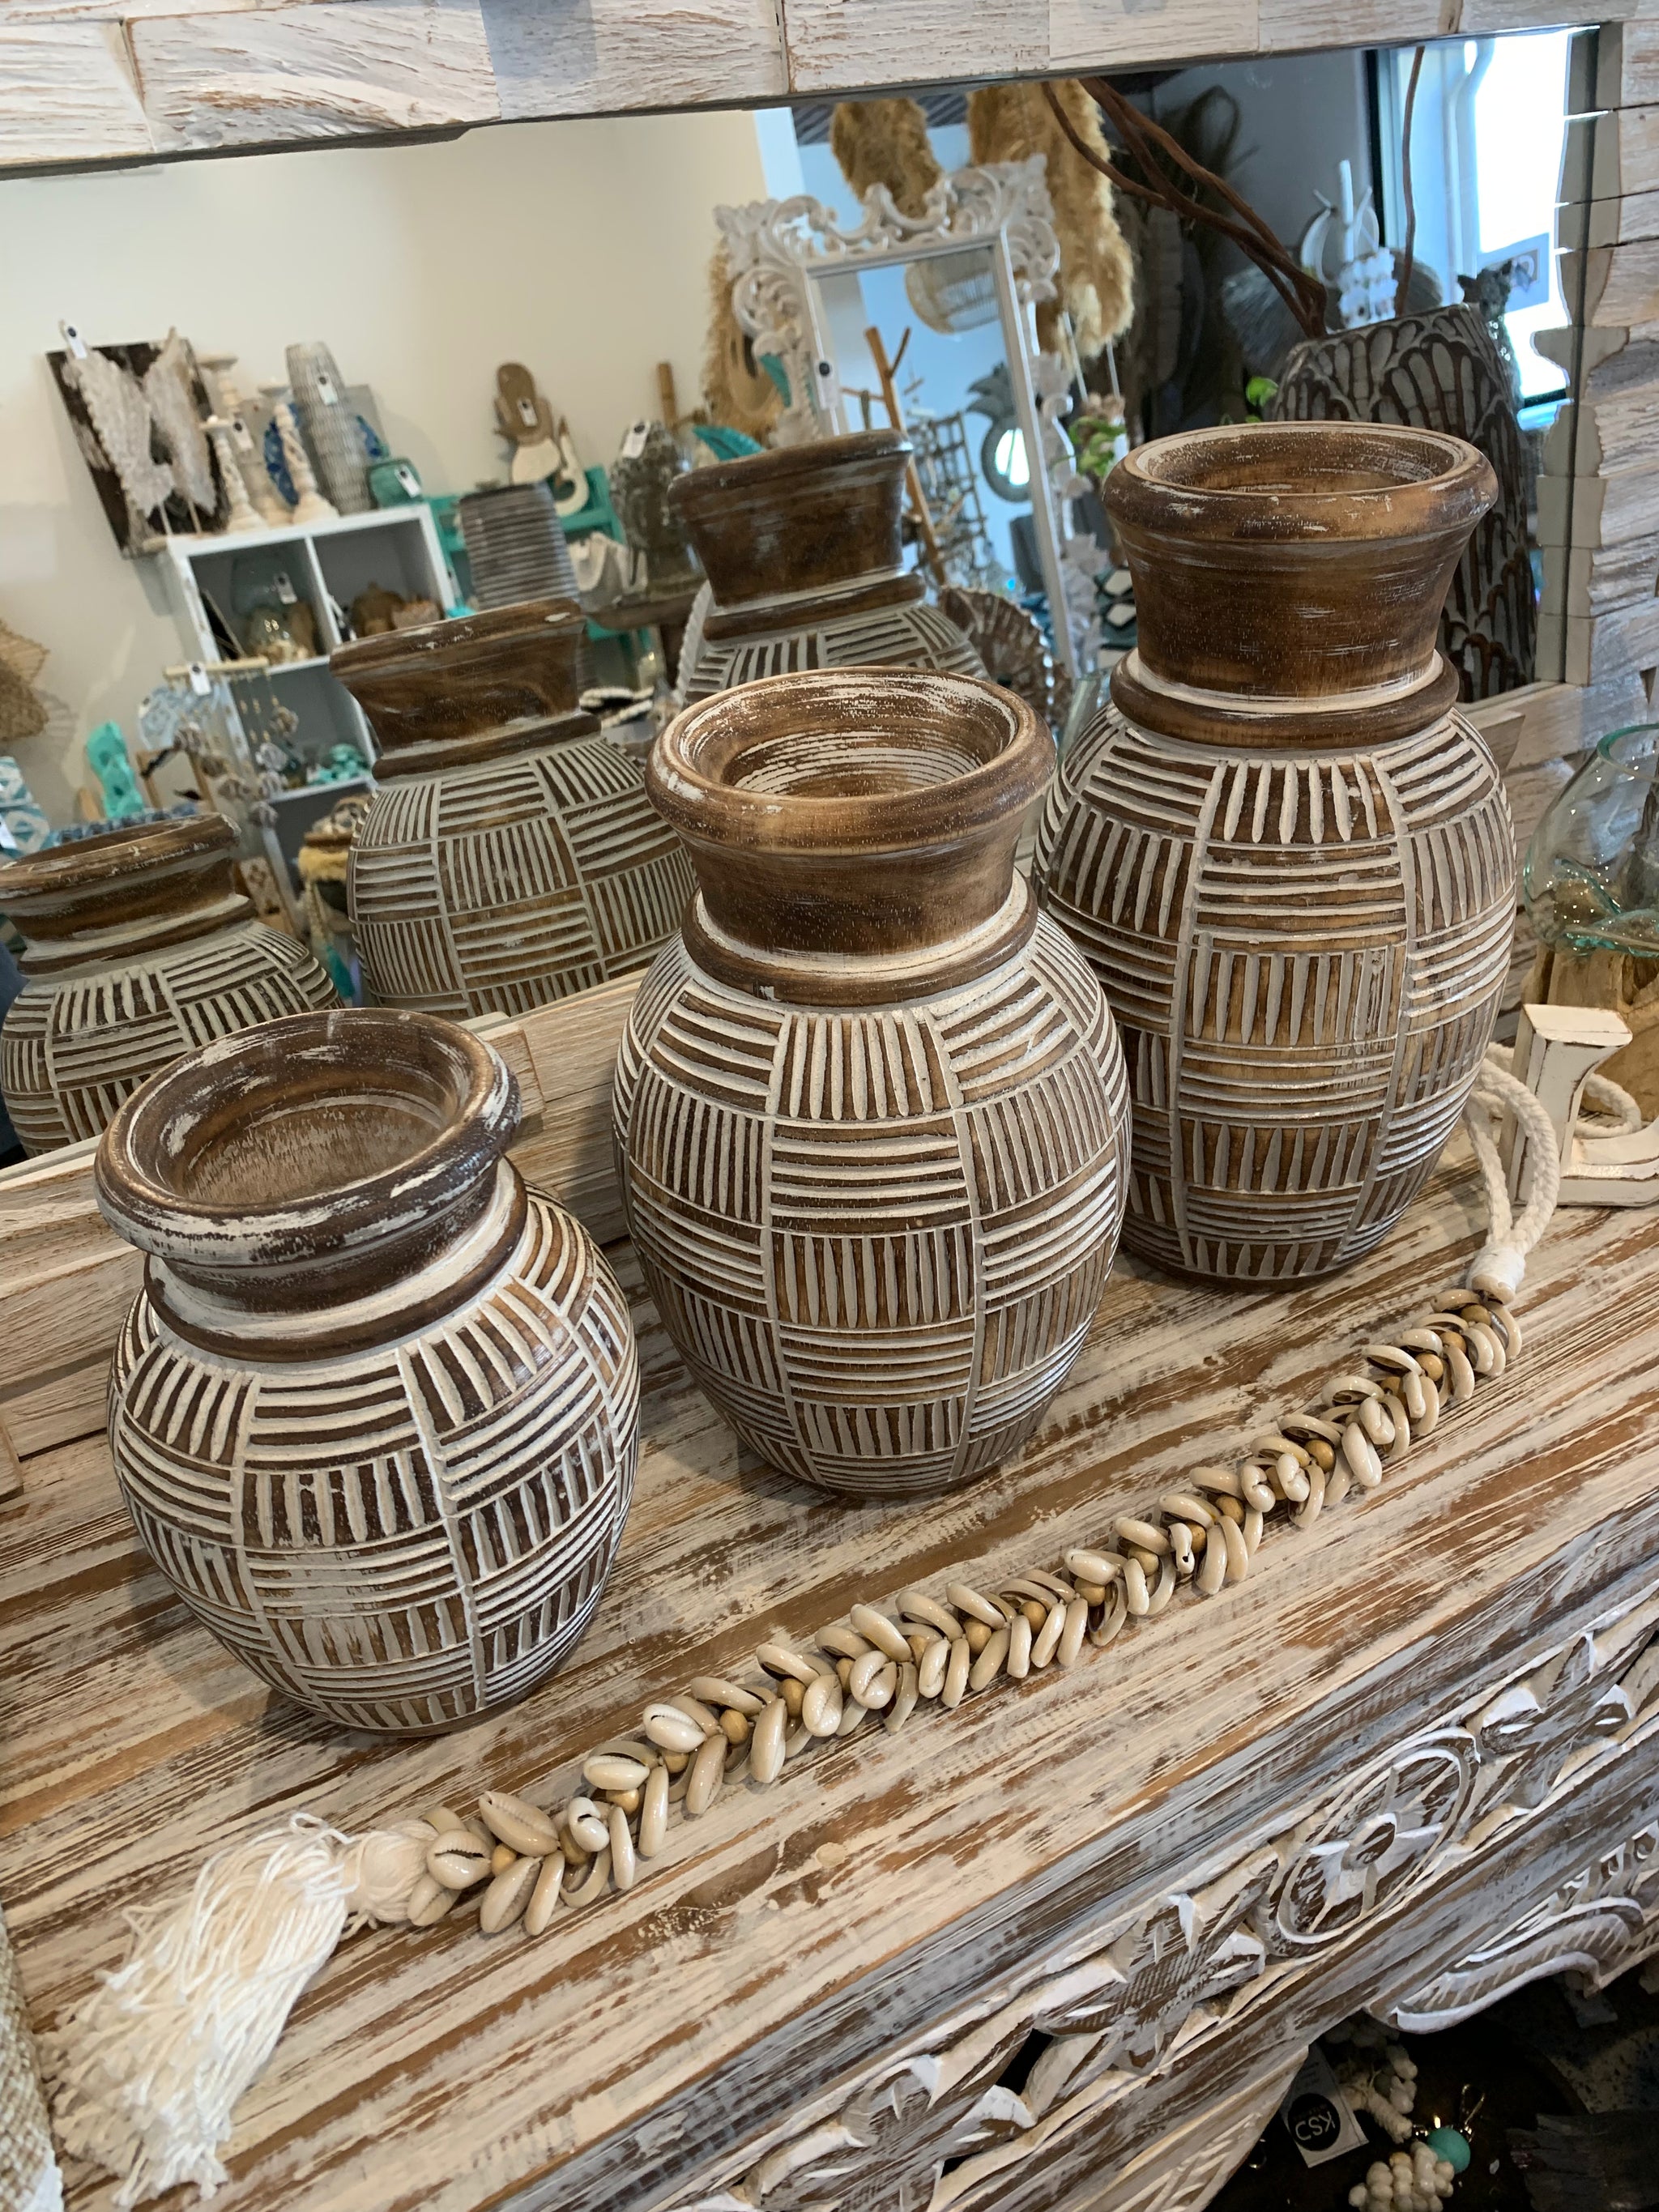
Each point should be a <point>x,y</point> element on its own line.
<point>254,407</point>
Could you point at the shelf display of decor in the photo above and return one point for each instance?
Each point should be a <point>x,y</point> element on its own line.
<point>416,1385</point>
<point>511,855</point>
<point>871,1105</point>
<point>141,948</point>
<point>805,558</point>
<point>1287,856</point>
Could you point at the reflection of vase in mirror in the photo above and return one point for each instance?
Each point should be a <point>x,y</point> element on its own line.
<point>140,947</point>
<point>1440,370</point>
<point>375,1410</point>
<point>804,556</point>
<point>1591,878</point>
<point>870,1104</point>
<point>510,856</point>
<point>1288,857</point>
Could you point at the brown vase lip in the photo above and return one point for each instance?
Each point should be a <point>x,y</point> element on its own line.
<point>408,652</point>
<point>1334,482</point>
<point>365,1048</point>
<point>694,772</point>
<point>757,472</point>
<point>91,862</point>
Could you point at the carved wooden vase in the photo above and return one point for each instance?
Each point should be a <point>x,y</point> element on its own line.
<point>1439,369</point>
<point>510,856</point>
<point>804,554</point>
<point>375,1408</point>
<point>140,948</point>
<point>870,1105</point>
<point>1287,856</point>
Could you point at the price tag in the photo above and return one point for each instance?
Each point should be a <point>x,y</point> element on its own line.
<point>242,434</point>
<point>1316,2113</point>
<point>407,483</point>
<point>326,391</point>
<point>527,414</point>
<point>74,341</point>
<point>828,386</point>
<point>198,680</point>
<point>285,591</point>
<point>633,443</point>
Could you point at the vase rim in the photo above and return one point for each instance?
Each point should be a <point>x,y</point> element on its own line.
<point>444,1076</point>
<point>697,780</point>
<point>776,464</point>
<point>408,652</point>
<point>1330,482</point>
<point>84,864</point>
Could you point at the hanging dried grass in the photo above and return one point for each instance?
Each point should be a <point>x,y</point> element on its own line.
<point>1009,123</point>
<point>885,141</point>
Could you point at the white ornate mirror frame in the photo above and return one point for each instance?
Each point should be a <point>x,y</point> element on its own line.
<point>781,250</point>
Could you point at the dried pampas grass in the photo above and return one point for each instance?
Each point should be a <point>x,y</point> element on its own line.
<point>1009,123</point>
<point>885,141</point>
<point>737,390</point>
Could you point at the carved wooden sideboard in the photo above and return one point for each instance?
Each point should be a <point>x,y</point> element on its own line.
<point>1060,1948</point>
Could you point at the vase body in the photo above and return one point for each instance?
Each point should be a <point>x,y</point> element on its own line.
<point>1287,857</point>
<point>1440,370</point>
<point>375,1411</point>
<point>870,1107</point>
<point>141,948</point>
<point>510,856</point>
<point>804,553</point>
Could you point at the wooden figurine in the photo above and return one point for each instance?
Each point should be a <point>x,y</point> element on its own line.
<point>542,446</point>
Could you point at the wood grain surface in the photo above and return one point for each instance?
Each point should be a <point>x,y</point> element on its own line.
<point>793,1936</point>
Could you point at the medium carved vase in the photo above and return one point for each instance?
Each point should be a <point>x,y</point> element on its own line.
<point>375,1409</point>
<point>870,1105</point>
<point>140,948</point>
<point>510,856</point>
<point>805,558</point>
<point>1287,856</point>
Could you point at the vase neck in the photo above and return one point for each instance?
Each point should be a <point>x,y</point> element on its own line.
<point>433,756</point>
<point>1266,722</point>
<point>79,927</point>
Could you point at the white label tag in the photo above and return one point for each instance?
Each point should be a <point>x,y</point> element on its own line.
<point>408,481</point>
<point>1316,2113</point>
<point>326,391</point>
<point>633,443</point>
<point>285,591</point>
<point>527,414</point>
<point>74,341</point>
<point>242,435</point>
<point>828,385</point>
<point>198,680</point>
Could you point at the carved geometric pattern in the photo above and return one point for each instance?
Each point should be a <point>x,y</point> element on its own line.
<point>1304,953</point>
<point>74,1046</point>
<point>504,885</point>
<point>877,1237</point>
<point>915,636</point>
<point>449,1552</point>
<point>1173,1972</point>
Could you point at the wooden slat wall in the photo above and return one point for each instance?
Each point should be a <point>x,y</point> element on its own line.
<point>91,80</point>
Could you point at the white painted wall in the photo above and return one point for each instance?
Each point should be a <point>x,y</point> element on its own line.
<point>579,248</point>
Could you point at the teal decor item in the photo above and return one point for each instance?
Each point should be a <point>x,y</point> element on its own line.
<point>726,445</point>
<point>1447,2143</point>
<point>343,764</point>
<point>394,483</point>
<point>23,824</point>
<point>109,761</point>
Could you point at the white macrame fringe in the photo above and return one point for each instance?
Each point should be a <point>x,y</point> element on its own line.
<point>147,2074</point>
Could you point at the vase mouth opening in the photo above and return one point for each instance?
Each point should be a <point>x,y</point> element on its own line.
<point>779,465</point>
<point>852,758</point>
<point>88,864</point>
<point>412,652</point>
<point>1633,748</point>
<point>305,1135</point>
<point>1329,480</point>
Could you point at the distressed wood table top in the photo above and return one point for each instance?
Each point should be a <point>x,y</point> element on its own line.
<point>793,1935</point>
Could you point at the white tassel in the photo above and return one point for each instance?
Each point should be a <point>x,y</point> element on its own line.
<point>1502,1261</point>
<point>147,2074</point>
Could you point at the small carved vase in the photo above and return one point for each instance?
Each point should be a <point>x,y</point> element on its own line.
<point>870,1105</point>
<point>140,948</point>
<point>510,856</point>
<point>375,1409</point>
<point>1287,856</point>
<point>804,553</point>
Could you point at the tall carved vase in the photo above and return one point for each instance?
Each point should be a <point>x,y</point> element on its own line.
<point>510,856</point>
<point>375,1409</point>
<point>805,558</point>
<point>870,1105</point>
<point>1286,855</point>
<point>1440,370</point>
<point>140,948</point>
